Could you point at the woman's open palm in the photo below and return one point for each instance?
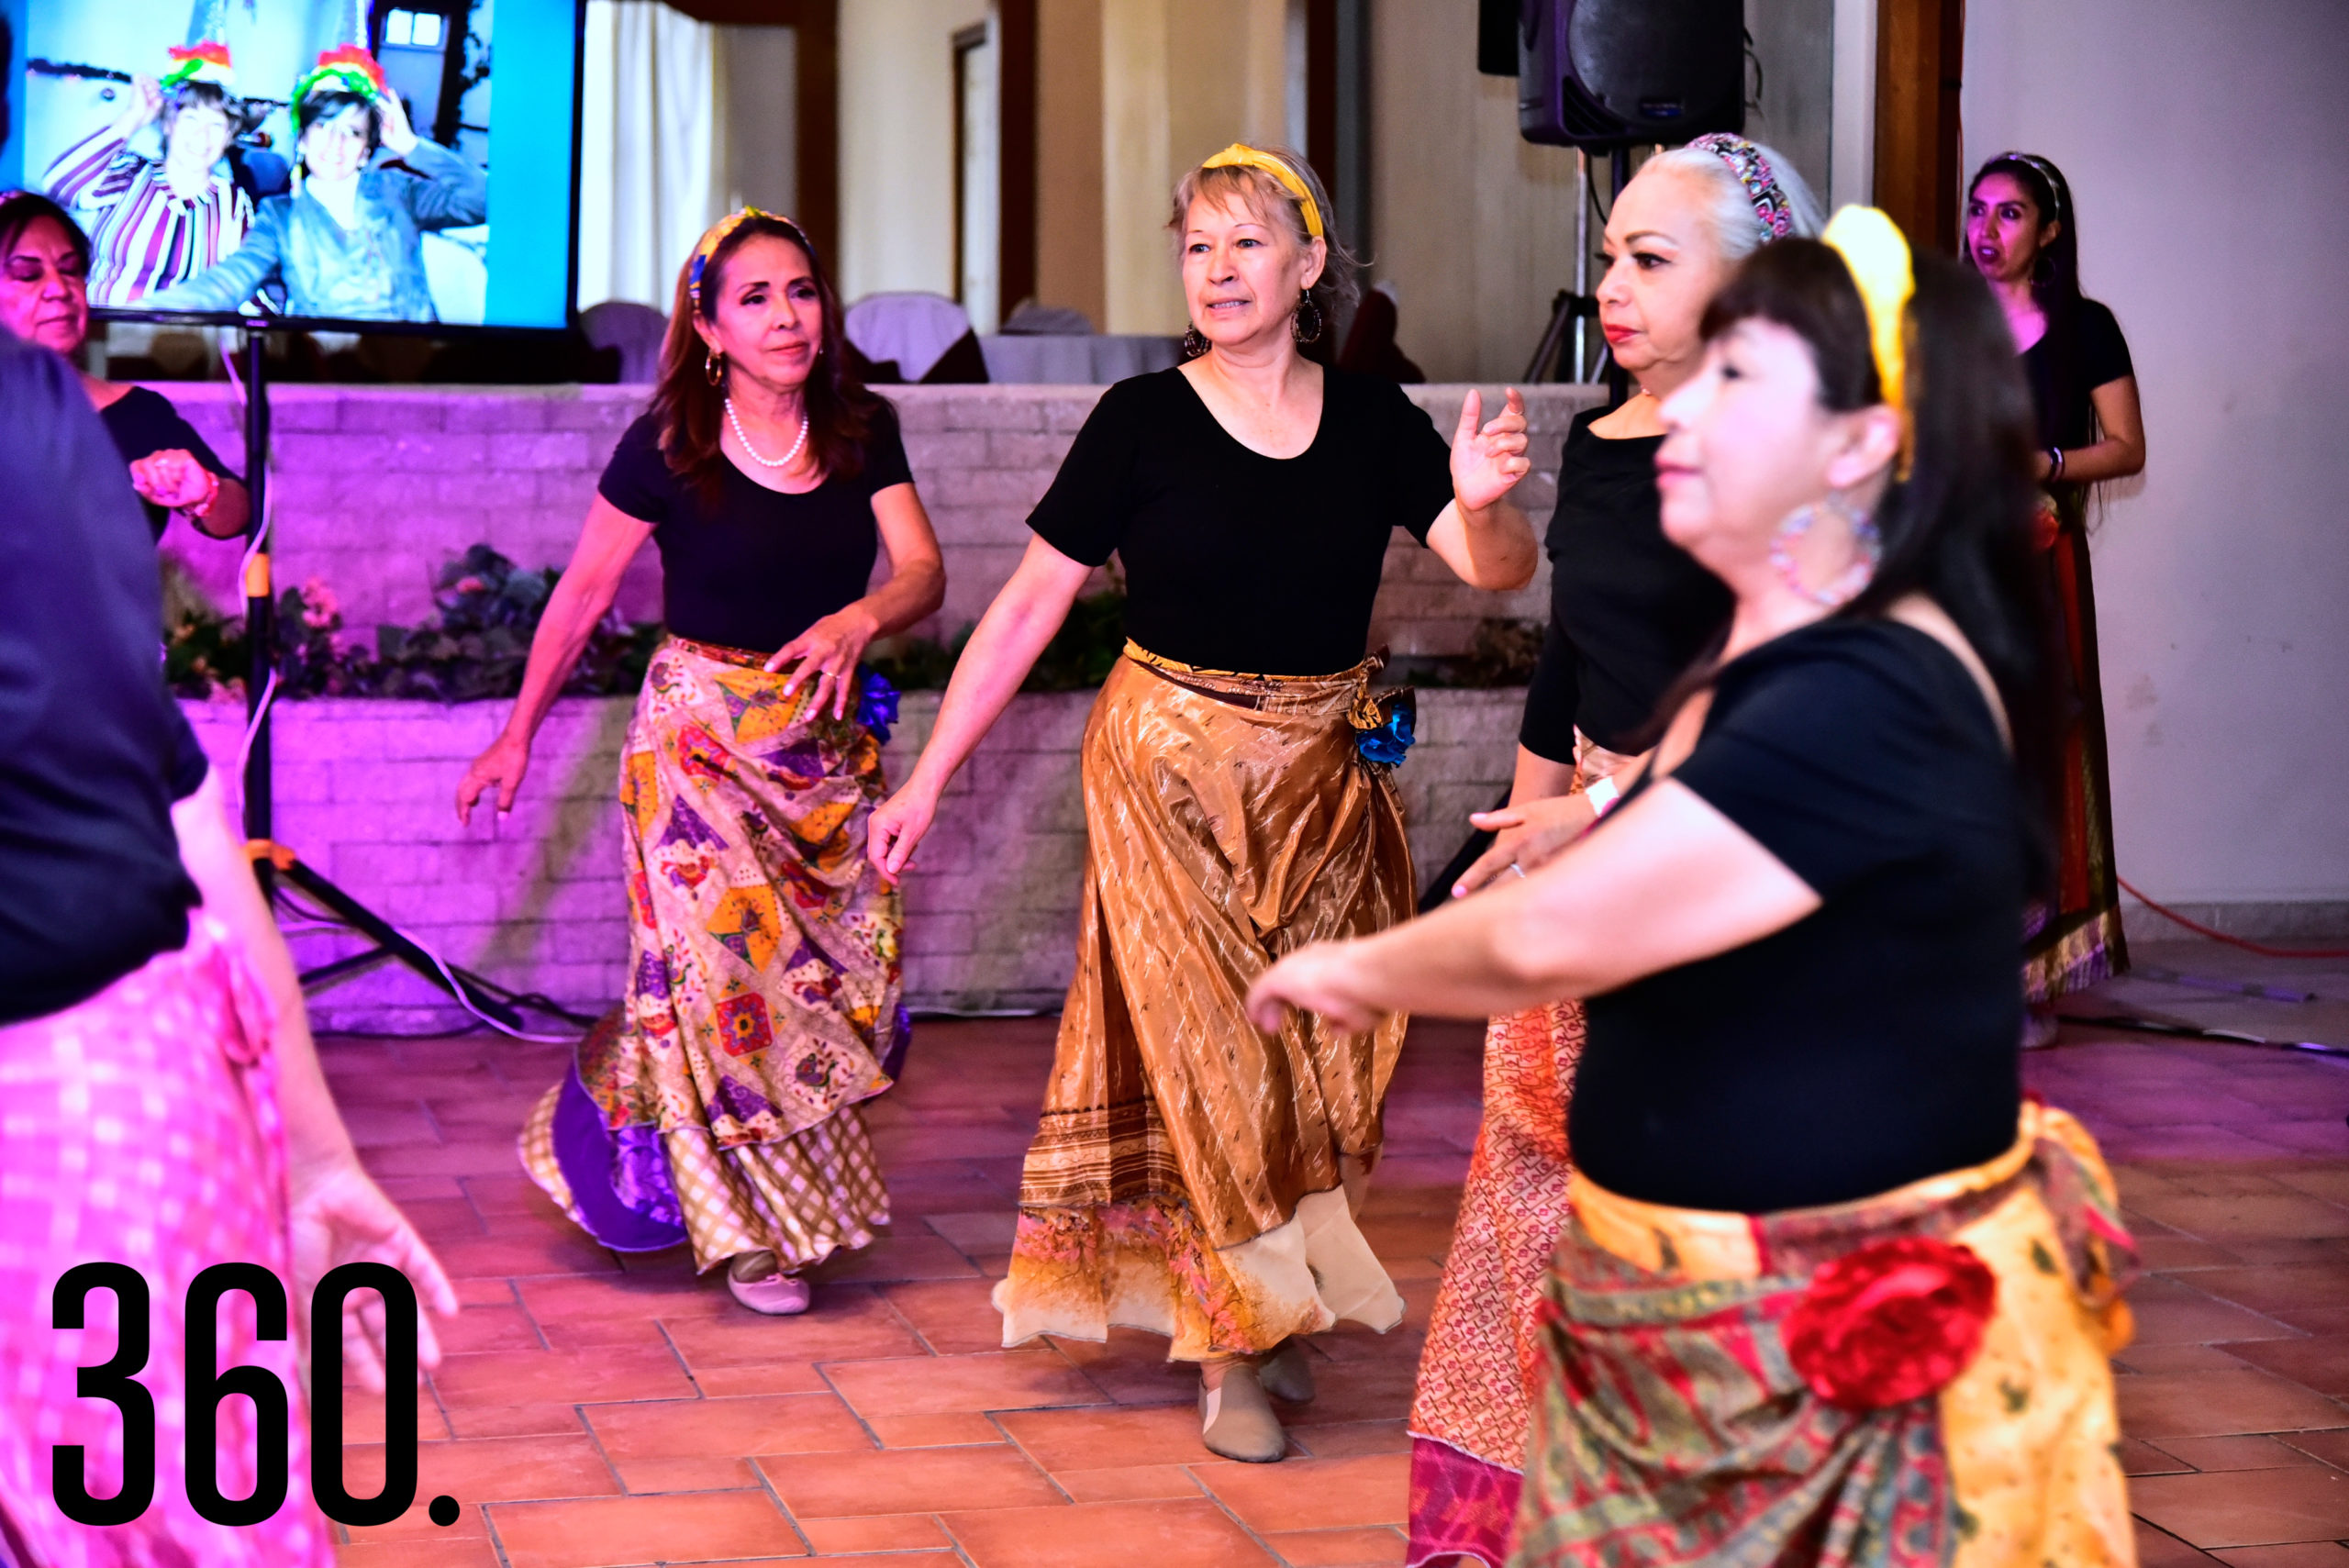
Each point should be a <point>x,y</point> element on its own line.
<point>1489,459</point>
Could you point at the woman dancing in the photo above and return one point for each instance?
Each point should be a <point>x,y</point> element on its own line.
<point>161,1109</point>
<point>1832,1290</point>
<point>718,1103</point>
<point>1194,1176</point>
<point>1630,612</point>
<point>45,299</point>
<point>2022,235</point>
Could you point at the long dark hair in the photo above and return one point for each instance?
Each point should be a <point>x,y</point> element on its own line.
<point>1958,528</point>
<point>689,410</point>
<point>2055,275</point>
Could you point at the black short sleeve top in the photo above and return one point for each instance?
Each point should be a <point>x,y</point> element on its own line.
<point>93,750</point>
<point>1630,611</point>
<point>142,423</point>
<point>2067,416</point>
<point>759,567</point>
<point>1235,561</point>
<point>1875,1041</point>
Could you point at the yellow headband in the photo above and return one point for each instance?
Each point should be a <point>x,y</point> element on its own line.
<point>1239,155</point>
<point>1876,252</point>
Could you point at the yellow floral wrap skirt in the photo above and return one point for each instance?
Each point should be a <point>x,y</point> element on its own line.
<point>1193,1175</point>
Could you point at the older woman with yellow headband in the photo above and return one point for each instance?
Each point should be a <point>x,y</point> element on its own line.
<point>718,1104</point>
<point>1194,1175</point>
<point>1832,1290</point>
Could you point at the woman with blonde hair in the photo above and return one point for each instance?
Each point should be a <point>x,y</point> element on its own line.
<point>718,1103</point>
<point>1194,1175</point>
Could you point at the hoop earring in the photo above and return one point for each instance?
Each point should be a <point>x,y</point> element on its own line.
<point>1194,343</point>
<point>1867,548</point>
<point>1297,321</point>
<point>713,367</point>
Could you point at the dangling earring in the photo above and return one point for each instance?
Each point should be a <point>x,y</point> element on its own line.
<point>1296,326</point>
<point>1194,343</point>
<point>1868,551</point>
<point>713,368</point>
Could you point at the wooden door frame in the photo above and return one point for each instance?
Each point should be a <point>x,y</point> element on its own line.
<point>817,100</point>
<point>1920,74</point>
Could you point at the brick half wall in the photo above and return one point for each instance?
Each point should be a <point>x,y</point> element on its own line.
<point>365,791</point>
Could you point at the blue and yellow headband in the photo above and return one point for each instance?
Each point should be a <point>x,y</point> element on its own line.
<point>716,237</point>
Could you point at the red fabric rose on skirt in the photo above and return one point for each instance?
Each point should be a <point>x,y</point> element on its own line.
<point>1893,1321</point>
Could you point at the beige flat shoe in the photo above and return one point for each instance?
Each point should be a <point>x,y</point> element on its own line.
<point>1288,1372</point>
<point>1237,1421</point>
<point>777,1296</point>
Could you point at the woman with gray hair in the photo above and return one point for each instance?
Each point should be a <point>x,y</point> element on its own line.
<point>1630,612</point>
<point>1194,1175</point>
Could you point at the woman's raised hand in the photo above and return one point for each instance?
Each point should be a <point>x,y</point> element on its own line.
<point>896,826</point>
<point>399,136</point>
<point>826,654</point>
<point>501,767</point>
<point>1488,461</point>
<point>1525,836</point>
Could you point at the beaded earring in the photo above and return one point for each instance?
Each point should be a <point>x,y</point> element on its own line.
<point>1298,327</point>
<point>1194,343</point>
<point>1867,547</point>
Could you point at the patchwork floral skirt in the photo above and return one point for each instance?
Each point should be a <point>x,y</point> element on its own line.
<point>718,1104</point>
<point>1193,1175</point>
<point>1914,1380</point>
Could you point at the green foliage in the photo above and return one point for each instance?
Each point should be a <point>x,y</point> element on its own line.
<point>475,650</point>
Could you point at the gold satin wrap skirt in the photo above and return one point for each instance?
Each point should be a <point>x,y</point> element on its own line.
<point>1193,1175</point>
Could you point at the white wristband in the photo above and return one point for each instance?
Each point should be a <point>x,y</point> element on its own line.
<point>1602,795</point>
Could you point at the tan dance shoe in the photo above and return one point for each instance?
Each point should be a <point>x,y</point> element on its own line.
<point>1288,1372</point>
<point>1237,1421</point>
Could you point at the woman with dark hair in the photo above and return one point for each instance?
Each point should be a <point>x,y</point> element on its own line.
<point>44,300</point>
<point>2023,236</point>
<point>1833,1291</point>
<point>718,1104</point>
<point>346,243</point>
<point>1194,1176</point>
<point>1630,612</point>
<point>157,221</point>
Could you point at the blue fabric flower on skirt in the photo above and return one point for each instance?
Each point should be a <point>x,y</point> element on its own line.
<point>1389,743</point>
<point>876,706</point>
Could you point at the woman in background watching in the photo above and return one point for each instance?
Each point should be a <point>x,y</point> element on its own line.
<point>2021,234</point>
<point>718,1103</point>
<point>1630,612</point>
<point>155,223</point>
<point>44,300</point>
<point>1833,1291</point>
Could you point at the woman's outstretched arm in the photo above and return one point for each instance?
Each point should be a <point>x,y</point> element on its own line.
<point>1011,636</point>
<point>1484,536</point>
<point>581,599</point>
<point>1669,881</point>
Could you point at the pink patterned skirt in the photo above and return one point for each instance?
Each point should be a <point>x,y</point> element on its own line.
<point>141,1128</point>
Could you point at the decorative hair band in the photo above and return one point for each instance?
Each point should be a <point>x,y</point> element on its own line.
<point>1239,155</point>
<point>350,68</point>
<point>1761,181</point>
<point>1876,252</point>
<point>716,237</point>
<point>2046,172</point>
<point>206,61</point>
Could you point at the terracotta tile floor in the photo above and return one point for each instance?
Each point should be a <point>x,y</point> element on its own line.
<point>596,1410</point>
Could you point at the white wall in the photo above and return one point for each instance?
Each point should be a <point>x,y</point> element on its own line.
<point>2202,143</point>
<point>896,77</point>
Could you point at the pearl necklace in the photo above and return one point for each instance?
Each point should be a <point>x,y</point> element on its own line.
<point>783,462</point>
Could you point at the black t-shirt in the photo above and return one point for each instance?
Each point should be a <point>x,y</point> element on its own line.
<point>1235,561</point>
<point>143,422</point>
<point>1630,611</point>
<point>1878,1040</point>
<point>2100,356</point>
<point>760,567</point>
<point>91,886</point>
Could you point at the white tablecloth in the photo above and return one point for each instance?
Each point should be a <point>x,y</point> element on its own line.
<point>1093,361</point>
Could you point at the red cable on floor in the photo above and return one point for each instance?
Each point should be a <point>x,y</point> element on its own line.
<point>2202,930</point>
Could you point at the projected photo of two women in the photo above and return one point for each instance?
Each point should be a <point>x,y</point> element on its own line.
<point>323,161</point>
